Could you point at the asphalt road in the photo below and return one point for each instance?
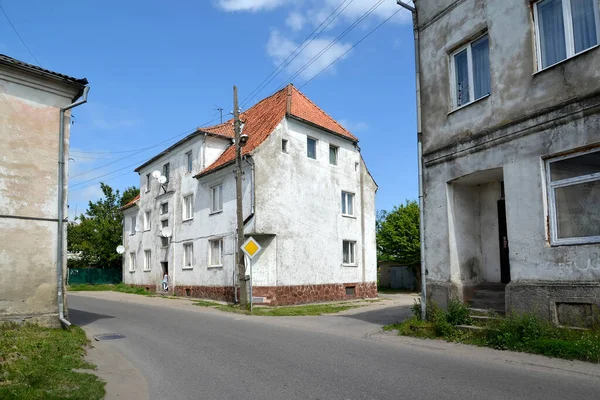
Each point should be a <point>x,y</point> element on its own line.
<point>189,352</point>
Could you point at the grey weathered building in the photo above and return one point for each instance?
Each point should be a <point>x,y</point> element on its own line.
<point>510,96</point>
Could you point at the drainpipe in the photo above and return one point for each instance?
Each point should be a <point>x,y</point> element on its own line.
<point>61,199</point>
<point>420,157</point>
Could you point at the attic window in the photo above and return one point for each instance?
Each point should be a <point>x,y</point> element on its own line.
<point>284,145</point>
<point>311,148</point>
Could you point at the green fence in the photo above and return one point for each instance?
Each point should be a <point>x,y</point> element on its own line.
<point>93,276</point>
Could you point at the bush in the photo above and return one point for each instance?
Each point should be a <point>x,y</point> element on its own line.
<point>458,313</point>
<point>516,332</point>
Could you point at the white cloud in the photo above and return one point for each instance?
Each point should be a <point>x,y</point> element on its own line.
<point>279,48</point>
<point>354,126</point>
<point>295,21</point>
<point>251,5</point>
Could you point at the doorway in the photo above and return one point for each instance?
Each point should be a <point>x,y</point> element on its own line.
<point>503,242</point>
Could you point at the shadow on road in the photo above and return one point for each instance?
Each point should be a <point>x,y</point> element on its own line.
<point>83,318</point>
<point>382,316</point>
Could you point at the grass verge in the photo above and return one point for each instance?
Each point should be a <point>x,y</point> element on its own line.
<point>119,287</point>
<point>292,311</point>
<point>38,363</point>
<point>524,333</point>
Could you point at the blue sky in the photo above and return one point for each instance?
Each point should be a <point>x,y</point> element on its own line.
<point>158,69</point>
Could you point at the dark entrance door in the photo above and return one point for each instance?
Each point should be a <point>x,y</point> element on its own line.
<point>503,236</point>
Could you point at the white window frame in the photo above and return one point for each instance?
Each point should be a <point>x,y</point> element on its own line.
<point>162,208</point>
<point>551,186</point>
<point>185,255</point>
<point>336,150</point>
<point>347,198</point>
<point>133,225</point>
<point>167,168</point>
<point>352,252</point>
<point>147,260</point>
<point>132,262</point>
<point>472,98</point>
<point>316,147</point>
<point>189,161</point>
<point>569,36</point>
<point>217,187</point>
<point>148,180</point>
<point>147,220</point>
<point>188,212</point>
<point>210,250</point>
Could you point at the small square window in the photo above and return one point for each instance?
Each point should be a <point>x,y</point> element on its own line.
<point>350,290</point>
<point>311,148</point>
<point>131,262</point>
<point>147,221</point>
<point>347,204</point>
<point>348,253</point>
<point>215,255</point>
<point>188,255</point>
<point>333,154</point>
<point>188,207</point>
<point>574,194</point>
<point>471,72</point>
<point>216,198</point>
<point>166,170</point>
<point>164,208</point>
<point>189,161</point>
<point>147,260</point>
<point>284,145</point>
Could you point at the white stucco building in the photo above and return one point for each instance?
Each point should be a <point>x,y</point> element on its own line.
<point>511,154</point>
<point>31,203</point>
<point>308,199</point>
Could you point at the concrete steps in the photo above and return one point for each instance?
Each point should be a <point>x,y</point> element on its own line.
<point>489,296</point>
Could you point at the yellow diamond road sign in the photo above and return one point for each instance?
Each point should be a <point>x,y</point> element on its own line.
<point>251,247</point>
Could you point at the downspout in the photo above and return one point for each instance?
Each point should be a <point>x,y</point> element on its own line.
<point>61,201</point>
<point>420,158</point>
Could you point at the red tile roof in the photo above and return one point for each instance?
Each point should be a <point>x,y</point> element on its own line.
<point>260,121</point>
<point>131,203</point>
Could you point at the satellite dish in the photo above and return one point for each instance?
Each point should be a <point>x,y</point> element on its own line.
<point>162,179</point>
<point>156,174</point>
<point>120,249</point>
<point>166,232</point>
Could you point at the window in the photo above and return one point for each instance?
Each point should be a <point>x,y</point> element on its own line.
<point>147,260</point>
<point>564,28</point>
<point>471,72</point>
<point>215,255</point>
<point>147,222</point>
<point>131,262</point>
<point>311,148</point>
<point>189,160</point>
<point>188,207</point>
<point>166,170</point>
<point>133,224</point>
<point>164,241</point>
<point>164,208</point>
<point>284,144</point>
<point>147,183</point>
<point>333,154</point>
<point>348,252</point>
<point>216,198</point>
<point>574,195</point>
<point>188,255</point>
<point>347,203</point>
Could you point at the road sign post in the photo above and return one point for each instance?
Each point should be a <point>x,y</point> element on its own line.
<point>251,248</point>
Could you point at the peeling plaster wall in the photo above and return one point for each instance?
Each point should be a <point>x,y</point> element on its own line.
<point>29,124</point>
<point>298,199</point>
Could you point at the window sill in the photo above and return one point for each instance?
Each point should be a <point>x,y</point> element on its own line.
<point>565,60</point>
<point>187,220</point>
<point>147,230</point>
<point>187,268</point>
<point>215,212</point>
<point>215,267</point>
<point>131,271</point>
<point>349,216</point>
<point>468,104</point>
<point>350,265</point>
<point>131,234</point>
<point>147,270</point>
<point>592,240</point>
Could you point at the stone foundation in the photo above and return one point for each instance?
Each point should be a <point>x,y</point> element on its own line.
<point>285,295</point>
<point>442,292</point>
<point>575,303</point>
<point>45,320</point>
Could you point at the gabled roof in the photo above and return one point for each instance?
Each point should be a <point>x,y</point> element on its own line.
<point>131,203</point>
<point>6,60</point>
<point>260,121</point>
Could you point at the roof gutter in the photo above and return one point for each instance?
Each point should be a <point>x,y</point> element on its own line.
<point>61,205</point>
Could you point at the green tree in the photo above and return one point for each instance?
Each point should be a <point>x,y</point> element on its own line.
<point>398,234</point>
<point>96,235</point>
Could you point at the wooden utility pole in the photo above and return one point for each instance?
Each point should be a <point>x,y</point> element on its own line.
<point>241,267</point>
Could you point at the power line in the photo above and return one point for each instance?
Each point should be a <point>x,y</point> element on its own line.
<point>19,36</point>
<point>295,53</point>
<point>347,51</point>
<point>337,39</point>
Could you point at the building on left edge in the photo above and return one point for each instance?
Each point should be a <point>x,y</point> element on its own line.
<point>32,204</point>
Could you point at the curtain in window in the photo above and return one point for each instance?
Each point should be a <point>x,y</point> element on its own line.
<point>552,32</point>
<point>584,24</point>
<point>481,67</point>
<point>461,65</point>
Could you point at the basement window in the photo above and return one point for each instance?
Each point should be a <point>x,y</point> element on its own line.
<point>573,183</point>
<point>350,290</point>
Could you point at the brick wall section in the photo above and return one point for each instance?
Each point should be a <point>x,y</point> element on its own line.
<point>282,295</point>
